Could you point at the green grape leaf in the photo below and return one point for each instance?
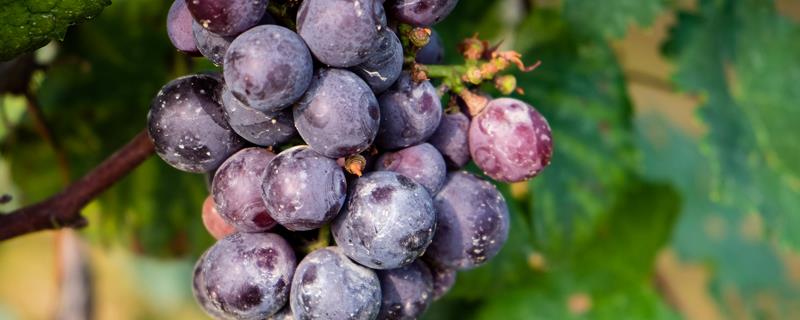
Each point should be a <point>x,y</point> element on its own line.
<point>30,24</point>
<point>741,56</point>
<point>581,91</point>
<point>729,239</point>
<point>610,19</point>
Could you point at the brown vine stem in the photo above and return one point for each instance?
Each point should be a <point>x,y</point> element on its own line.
<point>63,209</point>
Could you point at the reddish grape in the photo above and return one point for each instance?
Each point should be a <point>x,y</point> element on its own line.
<point>214,223</point>
<point>179,28</point>
<point>510,141</point>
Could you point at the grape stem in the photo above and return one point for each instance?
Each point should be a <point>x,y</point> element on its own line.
<point>323,239</point>
<point>62,210</point>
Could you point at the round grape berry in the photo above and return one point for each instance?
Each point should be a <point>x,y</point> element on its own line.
<point>410,113</point>
<point>384,65</point>
<point>187,125</point>
<point>237,190</point>
<point>302,189</point>
<point>472,223</point>
<point>407,291</point>
<point>256,127</point>
<point>227,17</point>
<point>421,163</point>
<point>510,141</point>
<point>327,285</point>
<point>388,222</point>
<point>179,28</point>
<point>214,223</point>
<point>422,13</point>
<point>451,140</point>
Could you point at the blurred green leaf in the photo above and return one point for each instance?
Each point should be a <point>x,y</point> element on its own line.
<point>30,24</point>
<point>741,56</point>
<point>610,18</point>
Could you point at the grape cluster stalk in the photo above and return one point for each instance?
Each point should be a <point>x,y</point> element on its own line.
<point>337,188</point>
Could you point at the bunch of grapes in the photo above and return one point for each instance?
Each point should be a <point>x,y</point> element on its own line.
<point>323,125</point>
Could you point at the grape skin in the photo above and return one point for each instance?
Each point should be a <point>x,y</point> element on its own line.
<point>388,221</point>
<point>340,33</point>
<point>473,223</point>
<point>510,141</point>
<point>422,13</point>
<point>268,68</point>
<point>179,28</point>
<point>339,115</point>
<point>410,113</point>
<point>256,127</point>
<point>211,45</point>
<point>302,189</point>
<point>384,65</point>
<point>227,17</point>
<point>187,125</point>
<point>283,314</point>
<point>433,52</point>
<point>406,292</point>
<point>199,292</point>
<point>248,275</point>
<point>216,226</point>
<point>236,190</point>
<point>421,163</point>
<point>451,140</point>
<point>327,285</point>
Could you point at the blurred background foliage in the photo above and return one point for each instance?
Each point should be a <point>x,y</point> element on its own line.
<point>674,190</point>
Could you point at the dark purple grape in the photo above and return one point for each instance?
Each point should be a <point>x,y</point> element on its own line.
<point>388,222</point>
<point>473,223</point>
<point>443,281</point>
<point>510,141</point>
<point>451,140</point>
<point>199,292</point>
<point>187,124</point>
<point>259,128</point>
<point>228,17</point>
<point>179,28</point>
<point>410,113</point>
<point>247,275</point>
<point>327,285</point>
<point>339,115</point>
<point>237,190</point>
<point>421,163</point>
<point>341,33</point>
<point>433,52</point>
<point>406,292</point>
<point>421,13</point>
<point>211,45</point>
<point>302,189</point>
<point>384,65</point>
<point>268,68</point>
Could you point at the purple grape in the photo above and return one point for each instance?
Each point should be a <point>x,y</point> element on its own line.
<point>228,17</point>
<point>433,52</point>
<point>422,13</point>
<point>247,275</point>
<point>236,190</point>
<point>451,140</point>
<point>388,222</point>
<point>410,113</point>
<point>179,28</point>
<point>255,126</point>
<point>187,124</point>
<point>510,141</point>
<point>341,33</point>
<point>443,281</point>
<point>327,285</point>
<point>384,65</point>
<point>211,45</point>
<point>338,116</point>
<point>473,223</point>
<point>406,292</point>
<point>302,189</point>
<point>268,68</point>
<point>421,163</point>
